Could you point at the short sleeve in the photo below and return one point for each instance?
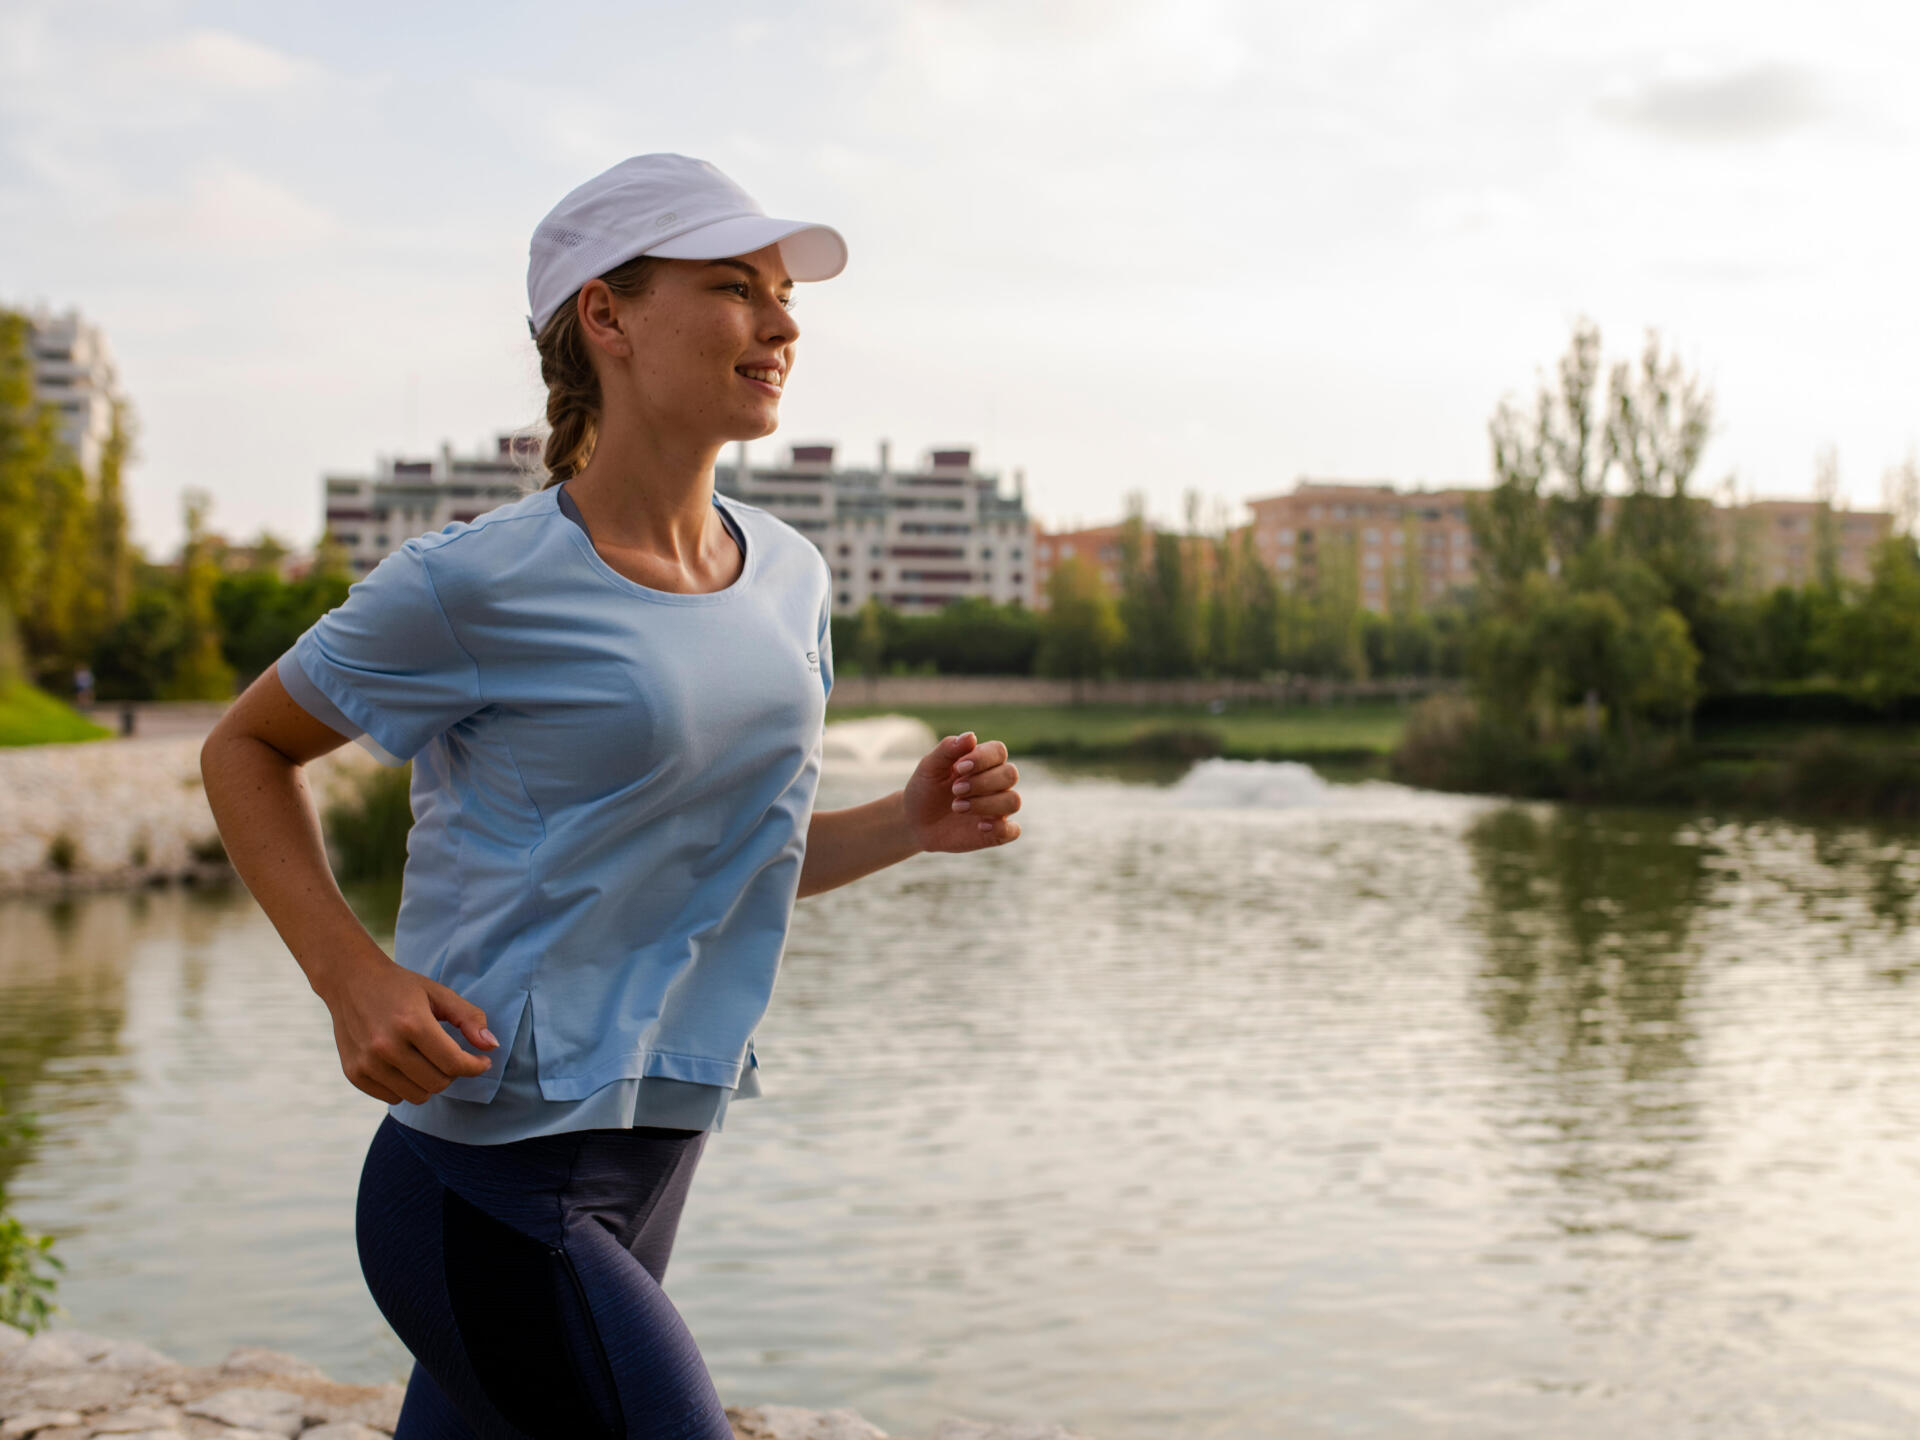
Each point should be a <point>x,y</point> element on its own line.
<point>387,660</point>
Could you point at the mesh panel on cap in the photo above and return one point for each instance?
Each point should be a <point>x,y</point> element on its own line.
<point>559,235</point>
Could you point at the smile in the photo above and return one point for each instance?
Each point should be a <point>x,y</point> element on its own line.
<point>770,378</point>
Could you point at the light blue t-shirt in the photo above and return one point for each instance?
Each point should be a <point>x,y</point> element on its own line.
<point>611,791</point>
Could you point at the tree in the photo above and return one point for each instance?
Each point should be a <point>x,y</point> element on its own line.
<point>1826,529</point>
<point>201,672</point>
<point>1080,633</point>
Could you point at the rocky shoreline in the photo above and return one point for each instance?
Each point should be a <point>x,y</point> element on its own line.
<point>112,814</point>
<point>66,1385</point>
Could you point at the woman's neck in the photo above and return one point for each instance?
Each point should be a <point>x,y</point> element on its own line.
<point>647,492</point>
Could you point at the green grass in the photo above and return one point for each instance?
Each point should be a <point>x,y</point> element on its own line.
<point>1244,732</point>
<point>33,717</point>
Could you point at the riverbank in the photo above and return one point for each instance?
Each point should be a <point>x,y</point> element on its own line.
<point>1788,770</point>
<point>122,813</point>
<point>67,1385</point>
<point>1343,731</point>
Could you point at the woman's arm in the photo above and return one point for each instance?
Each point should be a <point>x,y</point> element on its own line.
<point>959,798</point>
<point>385,1017</point>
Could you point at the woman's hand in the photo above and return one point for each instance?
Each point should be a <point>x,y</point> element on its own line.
<point>961,796</point>
<point>386,1023</point>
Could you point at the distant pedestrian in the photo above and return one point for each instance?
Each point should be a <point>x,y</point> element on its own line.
<point>83,687</point>
<point>613,693</point>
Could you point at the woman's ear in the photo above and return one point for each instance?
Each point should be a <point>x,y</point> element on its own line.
<point>601,321</point>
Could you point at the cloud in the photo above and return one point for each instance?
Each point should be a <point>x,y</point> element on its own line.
<point>226,210</point>
<point>219,59</point>
<point>1755,103</point>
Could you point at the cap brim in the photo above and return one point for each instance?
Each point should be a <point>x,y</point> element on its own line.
<point>812,252</point>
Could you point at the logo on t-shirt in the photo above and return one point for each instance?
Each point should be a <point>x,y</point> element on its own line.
<point>813,661</point>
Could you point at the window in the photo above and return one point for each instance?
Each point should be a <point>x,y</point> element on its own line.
<point>845,599</point>
<point>1373,536</point>
<point>1015,554</point>
<point>1373,560</point>
<point>1046,551</point>
<point>986,552</point>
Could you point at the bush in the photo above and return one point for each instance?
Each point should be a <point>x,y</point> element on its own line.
<point>26,1289</point>
<point>1177,742</point>
<point>367,832</point>
<point>1828,774</point>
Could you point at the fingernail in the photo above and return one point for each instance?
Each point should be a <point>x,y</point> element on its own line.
<point>963,804</point>
<point>488,1036</point>
<point>960,787</point>
<point>963,767</point>
<point>986,824</point>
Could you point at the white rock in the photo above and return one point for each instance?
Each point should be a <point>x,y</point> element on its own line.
<point>130,1355</point>
<point>342,1430</point>
<point>60,1350</point>
<point>137,1420</point>
<point>277,1412</point>
<point>80,1390</point>
<point>32,1420</point>
<point>793,1422</point>
<point>1001,1430</point>
<point>137,1434</point>
<point>253,1360</point>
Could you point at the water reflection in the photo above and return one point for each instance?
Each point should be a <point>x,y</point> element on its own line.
<point>1585,983</point>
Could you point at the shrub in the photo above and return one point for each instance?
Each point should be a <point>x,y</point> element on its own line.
<point>26,1287</point>
<point>367,831</point>
<point>63,853</point>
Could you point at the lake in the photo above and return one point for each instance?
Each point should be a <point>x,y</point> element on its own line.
<point>1226,1103</point>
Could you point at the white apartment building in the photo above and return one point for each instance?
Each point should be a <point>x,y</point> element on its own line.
<point>73,373</point>
<point>918,539</point>
<point>370,515</point>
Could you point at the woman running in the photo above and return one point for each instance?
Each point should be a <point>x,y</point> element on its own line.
<point>612,692</point>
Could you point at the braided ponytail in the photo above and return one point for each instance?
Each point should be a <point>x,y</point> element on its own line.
<point>573,389</point>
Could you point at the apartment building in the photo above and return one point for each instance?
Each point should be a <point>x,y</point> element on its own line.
<point>73,373</point>
<point>917,538</point>
<point>1098,546</point>
<point>1769,543</point>
<point>1382,533</point>
<point>370,515</point>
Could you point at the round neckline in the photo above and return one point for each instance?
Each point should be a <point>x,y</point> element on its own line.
<point>666,597</point>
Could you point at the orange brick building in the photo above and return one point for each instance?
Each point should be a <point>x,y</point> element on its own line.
<point>1376,528</point>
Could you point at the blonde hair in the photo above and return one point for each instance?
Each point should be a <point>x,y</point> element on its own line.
<point>573,390</point>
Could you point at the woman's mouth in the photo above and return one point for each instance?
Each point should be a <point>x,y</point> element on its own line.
<point>767,378</point>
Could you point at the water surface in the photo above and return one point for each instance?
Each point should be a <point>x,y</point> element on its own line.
<point>1241,1105</point>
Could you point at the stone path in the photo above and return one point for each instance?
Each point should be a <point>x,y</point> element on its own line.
<point>65,1385</point>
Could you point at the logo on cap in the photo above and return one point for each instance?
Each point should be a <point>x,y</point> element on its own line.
<point>665,220</point>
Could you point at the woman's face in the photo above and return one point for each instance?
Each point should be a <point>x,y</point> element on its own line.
<point>705,348</point>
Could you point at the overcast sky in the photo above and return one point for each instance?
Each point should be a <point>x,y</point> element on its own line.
<point>1117,245</point>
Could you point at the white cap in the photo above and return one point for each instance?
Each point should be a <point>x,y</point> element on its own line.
<point>666,205</point>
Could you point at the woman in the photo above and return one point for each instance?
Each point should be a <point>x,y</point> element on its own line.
<point>612,692</point>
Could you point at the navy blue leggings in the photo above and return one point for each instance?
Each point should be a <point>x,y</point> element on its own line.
<point>525,1278</point>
